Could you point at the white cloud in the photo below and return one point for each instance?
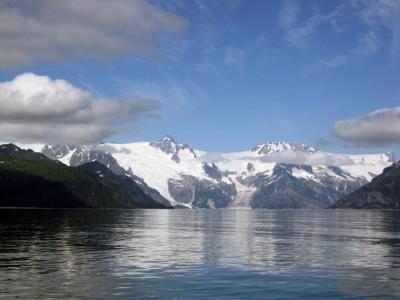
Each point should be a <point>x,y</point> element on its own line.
<point>40,30</point>
<point>211,157</point>
<point>39,97</point>
<point>289,157</point>
<point>380,127</point>
<point>312,158</point>
<point>38,109</point>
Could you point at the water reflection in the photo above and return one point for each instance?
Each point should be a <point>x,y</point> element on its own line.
<point>201,253</point>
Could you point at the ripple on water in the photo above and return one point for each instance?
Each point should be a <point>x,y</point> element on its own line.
<point>189,254</point>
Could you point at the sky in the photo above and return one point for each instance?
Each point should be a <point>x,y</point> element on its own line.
<point>219,75</point>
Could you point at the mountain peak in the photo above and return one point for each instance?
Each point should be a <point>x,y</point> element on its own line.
<point>168,139</point>
<point>280,146</point>
<point>8,149</point>
<point>169,146</point>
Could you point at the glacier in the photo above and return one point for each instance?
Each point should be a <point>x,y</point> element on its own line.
<point>271,175</point>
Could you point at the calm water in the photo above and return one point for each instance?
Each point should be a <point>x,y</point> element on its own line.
<point>207,254</point>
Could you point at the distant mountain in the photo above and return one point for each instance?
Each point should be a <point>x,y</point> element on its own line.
<point>276,147</point>
<point>300,186</point>
<point>382,192</point>
<point>30,179</point>
<point>271,175</point>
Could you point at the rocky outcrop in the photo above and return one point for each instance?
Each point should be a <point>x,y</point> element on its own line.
<point>169,146</point>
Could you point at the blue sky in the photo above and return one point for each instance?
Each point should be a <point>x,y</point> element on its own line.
<point>233,74</point>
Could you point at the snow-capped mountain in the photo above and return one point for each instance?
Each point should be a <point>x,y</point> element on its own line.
<point>170,147</point>
<point>271,175</point>
<point>275,147</point>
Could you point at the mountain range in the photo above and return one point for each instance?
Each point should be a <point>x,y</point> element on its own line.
<point>271,175</point>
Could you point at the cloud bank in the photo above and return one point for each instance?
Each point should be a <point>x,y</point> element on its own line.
<point>40,30</point>
<point>289,157</point>
<point>378,128</point>
<point>312,158</point>
<point>211,157</point>
<point>38,109</point>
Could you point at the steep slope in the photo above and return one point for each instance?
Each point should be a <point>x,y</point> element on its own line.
<point>126,183</point>
<point>73,155</point>
<point>272,175</point>
<point>29,179</point>
<point>382,192</point>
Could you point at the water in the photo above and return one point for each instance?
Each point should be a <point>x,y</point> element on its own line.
<point>199,254</point>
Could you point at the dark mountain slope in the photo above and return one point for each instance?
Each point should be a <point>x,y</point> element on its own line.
<point>11,150</point>
<point>383,192</point>
<point>30,179</point>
